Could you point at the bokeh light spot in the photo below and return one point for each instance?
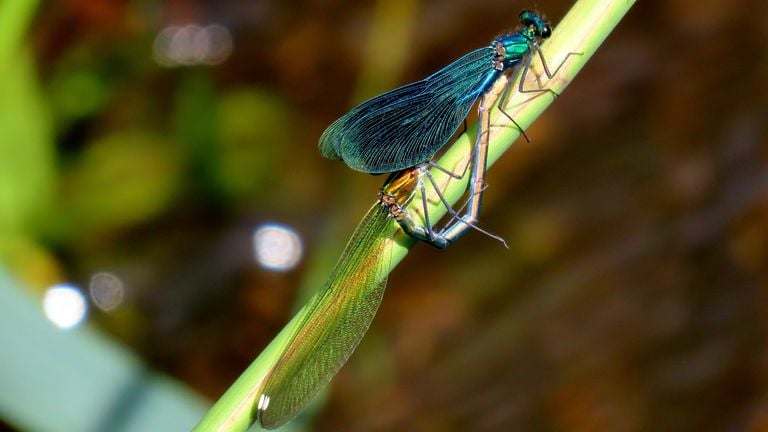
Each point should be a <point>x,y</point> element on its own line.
<point>277,247</point>
<point>107,291</point>
<point>65,306</point>
<point>192,45</point>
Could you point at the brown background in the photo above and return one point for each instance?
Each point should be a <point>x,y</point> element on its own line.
<point>632,297</point>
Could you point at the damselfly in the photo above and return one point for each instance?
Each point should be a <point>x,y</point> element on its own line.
<point>405,127</point>
<point>397,132</point>
<point>336,318</point>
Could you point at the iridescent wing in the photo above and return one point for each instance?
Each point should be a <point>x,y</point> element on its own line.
<point>408,125</point>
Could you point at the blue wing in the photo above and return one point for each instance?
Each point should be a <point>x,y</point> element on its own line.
<point>408,125</point>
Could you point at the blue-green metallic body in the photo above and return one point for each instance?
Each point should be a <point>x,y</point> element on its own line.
<point>407,126</point>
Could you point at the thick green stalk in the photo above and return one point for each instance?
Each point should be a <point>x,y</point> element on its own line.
<point>14,20</point>
<point>582,30</point>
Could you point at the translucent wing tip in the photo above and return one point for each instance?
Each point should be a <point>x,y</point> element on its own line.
<point>263,417</point>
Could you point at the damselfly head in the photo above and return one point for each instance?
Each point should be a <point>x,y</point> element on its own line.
<point>535,22</point>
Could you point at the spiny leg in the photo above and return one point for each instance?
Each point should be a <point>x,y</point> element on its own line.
<point>521,85</point>
<point>455,215</point>
<point>461,223</point>
<point>503,102</point>
<point>550,75</point>
<point>468,220</point>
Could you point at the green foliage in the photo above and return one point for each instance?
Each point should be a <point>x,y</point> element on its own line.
<point>119,181</point>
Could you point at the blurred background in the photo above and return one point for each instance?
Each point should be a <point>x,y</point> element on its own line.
<point>162,198</point>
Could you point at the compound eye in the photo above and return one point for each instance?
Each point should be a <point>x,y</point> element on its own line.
<point>527,18</point>
<point>546,31</point>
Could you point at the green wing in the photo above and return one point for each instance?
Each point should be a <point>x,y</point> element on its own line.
<point>335,321</point>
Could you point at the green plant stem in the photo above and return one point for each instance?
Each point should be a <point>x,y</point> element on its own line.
<point>582,30</point>
<point>14,19</point>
